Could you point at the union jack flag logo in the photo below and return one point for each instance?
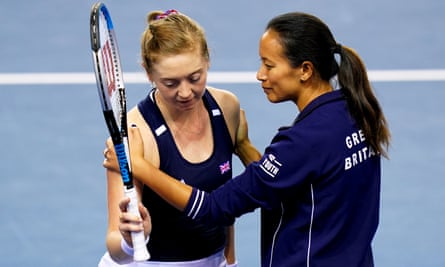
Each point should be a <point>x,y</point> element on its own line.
<point>225,167</point>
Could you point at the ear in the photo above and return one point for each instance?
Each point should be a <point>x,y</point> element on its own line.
<point>306,71</point>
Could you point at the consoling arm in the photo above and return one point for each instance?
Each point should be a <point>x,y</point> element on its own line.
<point>171,190</point>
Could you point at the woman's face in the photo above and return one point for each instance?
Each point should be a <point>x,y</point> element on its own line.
<point>280,81</point>
<point>181,79</point>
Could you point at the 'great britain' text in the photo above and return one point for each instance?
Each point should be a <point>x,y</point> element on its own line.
<point>359,155</point>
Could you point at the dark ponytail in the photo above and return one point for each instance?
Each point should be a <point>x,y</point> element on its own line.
<point>363,104</point>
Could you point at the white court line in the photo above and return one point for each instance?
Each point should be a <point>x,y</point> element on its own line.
<point>213,77</point>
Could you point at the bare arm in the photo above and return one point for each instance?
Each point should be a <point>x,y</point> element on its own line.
<point>244,149</point>
<point>113,240</point>
<point>234,118</point>
<point>120,223</point>
<point>171,190</point>
<point>229,250</point>
<point>236,121</point>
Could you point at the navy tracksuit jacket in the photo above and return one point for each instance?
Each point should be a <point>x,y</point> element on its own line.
<point>318,187</point>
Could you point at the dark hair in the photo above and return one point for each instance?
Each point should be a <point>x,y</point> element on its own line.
<point>305,37</point>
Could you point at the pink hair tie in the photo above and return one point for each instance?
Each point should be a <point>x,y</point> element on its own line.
<point>166,14</point>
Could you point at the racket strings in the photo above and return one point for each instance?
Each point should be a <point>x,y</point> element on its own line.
<point>122,111</point>
<point>115,58</point>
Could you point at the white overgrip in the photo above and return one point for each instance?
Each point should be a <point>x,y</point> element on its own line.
<point>139,245</point>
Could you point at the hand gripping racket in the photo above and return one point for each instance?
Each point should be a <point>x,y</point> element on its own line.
<point>112,97</point>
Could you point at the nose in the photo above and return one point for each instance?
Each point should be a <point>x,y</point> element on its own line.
<point>185,90</point>
<point>260,76</point>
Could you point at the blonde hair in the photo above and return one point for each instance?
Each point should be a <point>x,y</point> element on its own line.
<point>171,33</point>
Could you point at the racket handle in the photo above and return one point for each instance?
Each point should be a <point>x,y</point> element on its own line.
<point>139,246</point>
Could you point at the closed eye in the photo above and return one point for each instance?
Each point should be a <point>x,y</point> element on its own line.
<point>195,78</point>
<point>171,83</point>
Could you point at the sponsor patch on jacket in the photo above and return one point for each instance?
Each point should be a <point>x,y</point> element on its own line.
<point>270,165</point>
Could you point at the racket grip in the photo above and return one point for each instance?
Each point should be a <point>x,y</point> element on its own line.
<point>139,246</point>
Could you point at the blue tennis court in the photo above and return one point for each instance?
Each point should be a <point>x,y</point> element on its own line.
<point>53,195</point>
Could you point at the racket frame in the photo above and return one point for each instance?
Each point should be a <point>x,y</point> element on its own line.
<point>111,86</point>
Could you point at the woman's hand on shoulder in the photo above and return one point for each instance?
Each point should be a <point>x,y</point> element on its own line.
<point>110,160</point>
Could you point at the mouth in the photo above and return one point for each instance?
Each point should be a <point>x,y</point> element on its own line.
<point>185,104</point>
<point>266,89</point>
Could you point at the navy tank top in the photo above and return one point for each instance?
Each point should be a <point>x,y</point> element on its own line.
<point>174,236</point>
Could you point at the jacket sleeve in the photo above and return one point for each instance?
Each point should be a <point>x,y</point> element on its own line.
<point>264,184</point>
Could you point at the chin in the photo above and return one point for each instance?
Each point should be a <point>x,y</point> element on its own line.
<point>272,98</point>
<point>184,106</point>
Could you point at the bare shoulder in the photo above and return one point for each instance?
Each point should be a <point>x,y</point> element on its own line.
<point>230,107</point>
<point>134,116</point>
<point>151,152</point>
<point>227,100</point>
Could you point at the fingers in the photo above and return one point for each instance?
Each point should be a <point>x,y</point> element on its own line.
<point>110,160</point>
<point>135,141</point>
<point>129,217</point>
<point>123,204</point>
<point>109,148</point>
<point>127,226</point>
<point>129,222</point>
<point>146,220</point>
<point>105,156</point>
<point>109,143</point>
<point>144,212</point>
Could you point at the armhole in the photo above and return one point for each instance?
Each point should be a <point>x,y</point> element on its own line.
<point>225,112</point>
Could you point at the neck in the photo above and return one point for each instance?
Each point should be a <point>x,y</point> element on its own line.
<point>313,91</point>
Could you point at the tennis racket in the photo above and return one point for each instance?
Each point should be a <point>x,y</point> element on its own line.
<point>112,97</point>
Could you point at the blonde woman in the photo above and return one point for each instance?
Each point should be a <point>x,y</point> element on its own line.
<point>189,131</point>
